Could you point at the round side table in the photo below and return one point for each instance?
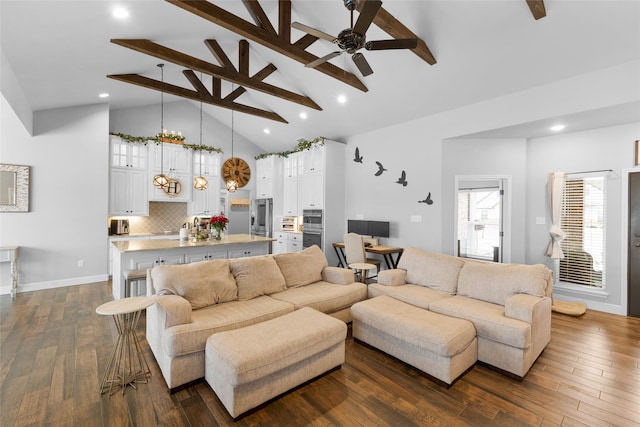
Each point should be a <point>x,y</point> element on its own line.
<point>361,270</point>
<point>127,365</point>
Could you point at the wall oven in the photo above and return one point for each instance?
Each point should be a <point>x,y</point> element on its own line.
<point>312,227</point>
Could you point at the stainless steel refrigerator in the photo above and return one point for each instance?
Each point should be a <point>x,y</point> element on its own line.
<point>262,218</point>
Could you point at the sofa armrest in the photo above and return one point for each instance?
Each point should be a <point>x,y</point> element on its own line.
<point>394,277</point>
<point>526,307</point>
<point>173,310</point>
<point>337,275</point>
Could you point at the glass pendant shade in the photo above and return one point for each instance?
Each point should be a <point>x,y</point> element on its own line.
<point>232,185</point>
<point>200,183</point>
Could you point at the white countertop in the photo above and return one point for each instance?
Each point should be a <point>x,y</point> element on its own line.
<point>161,244</point>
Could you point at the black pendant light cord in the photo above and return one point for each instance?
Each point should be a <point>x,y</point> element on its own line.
<point>161,121</point>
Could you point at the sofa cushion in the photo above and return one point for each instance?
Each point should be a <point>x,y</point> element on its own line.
<point>201,283</point>
<point>325,297</point>
<point>256,276</point>
<point>191,337</point>
<point>497,282</point>
<point>420,296</point>
<point>302,268</point>
<point>488,318</point>
<point>436,271</point>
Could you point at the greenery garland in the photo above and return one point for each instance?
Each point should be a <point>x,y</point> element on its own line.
<point>302,145</point>
<point>133,139</point>
<point>203,147</point>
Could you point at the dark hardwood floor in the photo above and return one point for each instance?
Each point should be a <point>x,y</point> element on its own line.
<point>54,347</point>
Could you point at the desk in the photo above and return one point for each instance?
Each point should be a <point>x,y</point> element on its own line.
<point>126,365</point>
<point>384,250</point>
<point>10,254</point>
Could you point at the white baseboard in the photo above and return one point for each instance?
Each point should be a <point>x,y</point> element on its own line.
<point>28,287</point>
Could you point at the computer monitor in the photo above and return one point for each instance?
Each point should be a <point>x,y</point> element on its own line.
<point>368,228</point>
<point>378,228</point>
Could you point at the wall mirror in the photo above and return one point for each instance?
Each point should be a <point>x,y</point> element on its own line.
<point>14,188</point>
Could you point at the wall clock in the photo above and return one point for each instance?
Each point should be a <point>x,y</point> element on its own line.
<point>237,169</point>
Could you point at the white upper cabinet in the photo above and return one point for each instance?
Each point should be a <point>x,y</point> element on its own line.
<point>128,179</point>
<point>174,161</point>
<point>265,176</point>
<point>206,202</point>
<point>290,185</point>
<point>311,181</point>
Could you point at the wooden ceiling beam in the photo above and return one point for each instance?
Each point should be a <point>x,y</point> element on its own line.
<point>305,41</point>
<point>149,83</point>
<point>396,29</point>
<point>537,8</point>
<point>221,17</point>
<point>219,54</point>
<point>243,57</point>
<point>258,15</point>
<point>197,83</point>
<point>284,20</point>
<point>153,49</point>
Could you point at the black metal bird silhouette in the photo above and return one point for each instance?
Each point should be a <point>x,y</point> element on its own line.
<point>358,157</point>
<point>403,179</point>
<point>380,169</point>
<point>427,200</point>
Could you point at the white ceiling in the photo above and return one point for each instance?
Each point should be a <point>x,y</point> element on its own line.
<point>61,54</point>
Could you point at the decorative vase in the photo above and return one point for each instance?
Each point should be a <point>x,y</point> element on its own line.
<point>217,235</point>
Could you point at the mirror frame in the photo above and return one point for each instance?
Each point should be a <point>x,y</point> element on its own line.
<point>22,188</point>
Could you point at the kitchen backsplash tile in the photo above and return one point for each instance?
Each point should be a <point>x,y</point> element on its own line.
<point>163,216</point>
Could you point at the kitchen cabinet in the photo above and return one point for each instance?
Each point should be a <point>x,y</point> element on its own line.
<point>268,177</point>
<point>294,242</point>
<point>279,246</point>
<point>290,185</point>
<point>145,261</point>
<point>247,250</point>
<point>174,161</point>
<point>311,181</point>
<point>128,179</point>
<point>204,256</point>
<point>206,202</point>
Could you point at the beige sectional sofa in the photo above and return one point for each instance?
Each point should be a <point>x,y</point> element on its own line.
<point>509,304</point>
<point>197,300</point>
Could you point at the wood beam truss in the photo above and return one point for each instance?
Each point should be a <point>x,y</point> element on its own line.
<point>227,71</point>
<point>537,8</point>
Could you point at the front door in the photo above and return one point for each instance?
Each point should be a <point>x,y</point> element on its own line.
<point>633,249</point>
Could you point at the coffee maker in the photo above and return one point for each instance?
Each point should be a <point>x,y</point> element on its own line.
<point>119,226</point>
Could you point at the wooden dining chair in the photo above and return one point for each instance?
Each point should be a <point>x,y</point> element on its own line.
<point>356,257</point>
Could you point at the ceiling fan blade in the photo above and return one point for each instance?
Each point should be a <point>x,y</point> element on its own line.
<point>322,60</point>
<point>391,44</point>
<point>362,64</point>
<point>309,30</point>
<point>368,12</point>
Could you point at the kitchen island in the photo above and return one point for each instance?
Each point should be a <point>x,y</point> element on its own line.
<point>144,254</point>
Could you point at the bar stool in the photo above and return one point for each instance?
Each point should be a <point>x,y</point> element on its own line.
<point>130,277</point>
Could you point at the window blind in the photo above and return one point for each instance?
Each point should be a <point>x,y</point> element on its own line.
<point>584,221</point>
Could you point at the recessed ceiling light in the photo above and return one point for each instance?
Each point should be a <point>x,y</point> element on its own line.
<point>303,115</point>
<point>557,128</point>
<point>104,95</point>
<point>342,99</point>
<point>267,131</point>
<point>120,13</point>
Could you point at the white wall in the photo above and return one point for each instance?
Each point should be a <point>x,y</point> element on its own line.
<point>68,155</point>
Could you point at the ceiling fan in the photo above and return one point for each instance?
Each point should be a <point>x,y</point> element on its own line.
<point>352,39</point>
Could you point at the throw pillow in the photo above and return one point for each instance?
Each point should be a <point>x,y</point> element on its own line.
<point>435,271</point>
<point>302,268</point>
<point>497,282</point>
<point>257,276</point>
<point>201,283</point>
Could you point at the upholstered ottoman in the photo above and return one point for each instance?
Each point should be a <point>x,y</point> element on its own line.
<point>248,366</point>
<point>442,346</point>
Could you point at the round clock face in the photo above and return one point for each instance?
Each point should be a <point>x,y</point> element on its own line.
<point>237,169</point>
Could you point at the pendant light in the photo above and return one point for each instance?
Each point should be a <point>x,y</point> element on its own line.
<point>232,184</point>
<point>161,180</point>
<point>200,182</point>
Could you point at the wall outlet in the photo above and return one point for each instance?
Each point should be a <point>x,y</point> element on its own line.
<point>416,218</point>
<point>80,263</point>
<point>540,220</point>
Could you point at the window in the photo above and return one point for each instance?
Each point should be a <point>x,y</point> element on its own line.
<point>584,221</point>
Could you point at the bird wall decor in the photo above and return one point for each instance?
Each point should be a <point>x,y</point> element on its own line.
<point>428,200</point>
<point>380,169</point>
<point>357,158</point>
<point>403,179</point>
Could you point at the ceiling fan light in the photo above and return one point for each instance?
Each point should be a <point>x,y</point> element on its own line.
<point>200,183</point>
<point>161,181</point>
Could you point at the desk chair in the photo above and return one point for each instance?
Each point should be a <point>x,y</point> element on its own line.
<point>356,257</point>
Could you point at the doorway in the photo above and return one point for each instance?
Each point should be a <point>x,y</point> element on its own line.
<point>633,246</point>
<point>480,218</point>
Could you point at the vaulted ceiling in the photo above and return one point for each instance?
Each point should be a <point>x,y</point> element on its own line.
<point>63,51</point>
